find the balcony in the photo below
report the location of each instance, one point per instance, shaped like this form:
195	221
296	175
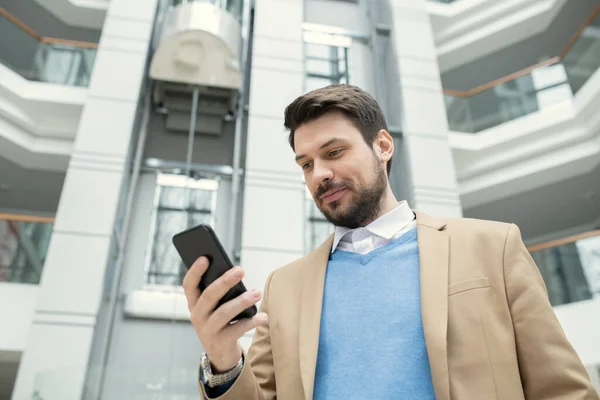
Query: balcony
24	243
44	59
541	86
43	87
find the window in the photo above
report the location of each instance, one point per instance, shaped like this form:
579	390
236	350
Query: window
325	65
179	203
317	229
325	62
325	57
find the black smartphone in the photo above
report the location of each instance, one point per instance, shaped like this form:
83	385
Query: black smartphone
201	241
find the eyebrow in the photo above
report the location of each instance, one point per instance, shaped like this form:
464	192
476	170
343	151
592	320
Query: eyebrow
327	143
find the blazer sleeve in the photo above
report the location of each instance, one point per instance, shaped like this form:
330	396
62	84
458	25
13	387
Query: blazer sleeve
549	366
257	379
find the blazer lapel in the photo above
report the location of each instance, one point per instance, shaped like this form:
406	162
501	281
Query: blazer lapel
434	258
313	285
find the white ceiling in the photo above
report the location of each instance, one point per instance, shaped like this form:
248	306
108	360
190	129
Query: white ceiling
29	190
81	13
569	205
47	24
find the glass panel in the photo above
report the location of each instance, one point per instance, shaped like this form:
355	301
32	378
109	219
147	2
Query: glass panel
312	83
236	8
176	209
543	87
44	62
23	249
571	271
321	67
314	50
325	65
583	59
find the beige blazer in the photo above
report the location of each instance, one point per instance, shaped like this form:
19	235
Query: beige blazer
489	328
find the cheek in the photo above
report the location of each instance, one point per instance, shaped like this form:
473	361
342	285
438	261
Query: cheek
353	174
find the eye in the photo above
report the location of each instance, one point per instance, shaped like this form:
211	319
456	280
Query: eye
335	153
306	166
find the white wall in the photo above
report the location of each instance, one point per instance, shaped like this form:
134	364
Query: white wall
17	304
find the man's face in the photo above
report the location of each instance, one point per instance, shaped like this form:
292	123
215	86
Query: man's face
346	178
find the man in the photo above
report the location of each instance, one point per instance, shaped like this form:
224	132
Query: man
395	304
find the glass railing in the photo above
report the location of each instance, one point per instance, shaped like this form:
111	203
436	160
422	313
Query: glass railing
570	267
44	59
24	243
541	86
234	7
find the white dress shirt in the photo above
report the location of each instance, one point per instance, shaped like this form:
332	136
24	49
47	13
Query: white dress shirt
378	233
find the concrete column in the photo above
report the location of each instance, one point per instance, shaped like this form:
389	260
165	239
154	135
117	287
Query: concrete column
428	176
273	220
58	345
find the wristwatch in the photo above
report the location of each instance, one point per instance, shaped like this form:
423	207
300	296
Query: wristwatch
211	380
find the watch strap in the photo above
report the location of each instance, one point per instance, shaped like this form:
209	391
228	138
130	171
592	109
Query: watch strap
213	380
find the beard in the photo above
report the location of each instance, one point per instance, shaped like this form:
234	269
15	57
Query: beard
363	208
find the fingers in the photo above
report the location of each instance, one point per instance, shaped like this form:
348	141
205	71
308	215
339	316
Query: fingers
211	296
221	317
203	305
237	330
192	280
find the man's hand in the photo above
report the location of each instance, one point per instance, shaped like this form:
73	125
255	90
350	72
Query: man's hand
218	336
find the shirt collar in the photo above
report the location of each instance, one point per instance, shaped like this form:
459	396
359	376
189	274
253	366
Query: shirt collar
385	226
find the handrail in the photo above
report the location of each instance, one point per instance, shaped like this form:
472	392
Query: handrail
563	241
26	218
45	39
525	71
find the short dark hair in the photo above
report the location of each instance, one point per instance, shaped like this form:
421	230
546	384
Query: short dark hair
356	104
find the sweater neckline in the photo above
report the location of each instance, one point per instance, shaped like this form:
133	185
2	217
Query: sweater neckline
339	254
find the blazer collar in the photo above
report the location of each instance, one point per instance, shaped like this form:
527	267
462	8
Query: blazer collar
433	252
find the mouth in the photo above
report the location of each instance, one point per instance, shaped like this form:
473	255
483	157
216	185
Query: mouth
332	195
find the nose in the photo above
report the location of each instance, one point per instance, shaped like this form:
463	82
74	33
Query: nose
321	172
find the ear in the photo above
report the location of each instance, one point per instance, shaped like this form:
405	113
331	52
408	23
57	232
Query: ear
384	145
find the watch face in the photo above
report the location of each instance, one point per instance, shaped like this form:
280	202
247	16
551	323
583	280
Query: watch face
205	370
203	375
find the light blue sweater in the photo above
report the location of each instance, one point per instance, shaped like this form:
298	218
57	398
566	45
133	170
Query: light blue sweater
371	343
